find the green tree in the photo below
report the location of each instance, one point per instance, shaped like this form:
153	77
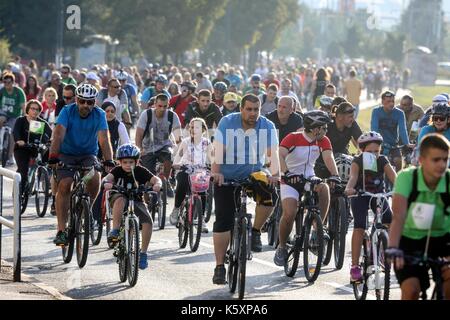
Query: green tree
5	54
393	47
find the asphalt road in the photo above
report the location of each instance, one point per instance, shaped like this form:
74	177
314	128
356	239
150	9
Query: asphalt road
172	273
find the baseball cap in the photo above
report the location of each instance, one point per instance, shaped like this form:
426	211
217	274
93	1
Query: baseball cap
440	98
256	77
230	96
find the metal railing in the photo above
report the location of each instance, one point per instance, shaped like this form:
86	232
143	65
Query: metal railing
15	225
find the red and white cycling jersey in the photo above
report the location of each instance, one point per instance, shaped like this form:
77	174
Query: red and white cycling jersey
303	153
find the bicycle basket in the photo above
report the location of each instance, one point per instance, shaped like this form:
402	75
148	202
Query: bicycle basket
199	181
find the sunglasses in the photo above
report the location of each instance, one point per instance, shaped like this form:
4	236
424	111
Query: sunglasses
115	87
110	111
324	128
88	102
67	98
7	82
439	118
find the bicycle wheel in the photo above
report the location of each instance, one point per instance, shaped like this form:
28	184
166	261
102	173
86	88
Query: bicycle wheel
41	191
209	203
67	251
183	228
340	234
82	232
5	150
331	229
233	254
360	288
195	228
313	246
293	247
242	259
162	213
122	257
133	252
96	231
383	293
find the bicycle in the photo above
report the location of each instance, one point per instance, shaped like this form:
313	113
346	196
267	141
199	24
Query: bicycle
240	242
5	144
127	248
376	270
305	238
436	266
337	226
191	211
38	181
79	220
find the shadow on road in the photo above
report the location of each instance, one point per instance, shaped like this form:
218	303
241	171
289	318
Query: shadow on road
98	290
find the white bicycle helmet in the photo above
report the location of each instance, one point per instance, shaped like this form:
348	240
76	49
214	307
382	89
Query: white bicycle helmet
314	119
86	91
369	137
122	75
344	166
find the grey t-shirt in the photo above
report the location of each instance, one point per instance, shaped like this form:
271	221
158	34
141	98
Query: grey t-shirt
158	135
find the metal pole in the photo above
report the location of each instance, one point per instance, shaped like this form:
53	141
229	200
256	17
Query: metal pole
59	35
17	230
1	214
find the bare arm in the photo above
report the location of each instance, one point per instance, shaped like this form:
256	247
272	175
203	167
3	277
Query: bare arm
274	158
105	144
179	154
58	137
390	173
283	154
139	137
354	173
328	159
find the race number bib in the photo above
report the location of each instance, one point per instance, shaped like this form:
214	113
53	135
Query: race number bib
422	214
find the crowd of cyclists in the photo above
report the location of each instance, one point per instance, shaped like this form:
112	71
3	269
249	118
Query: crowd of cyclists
276	127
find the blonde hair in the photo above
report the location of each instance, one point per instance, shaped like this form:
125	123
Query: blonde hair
204	126
52	90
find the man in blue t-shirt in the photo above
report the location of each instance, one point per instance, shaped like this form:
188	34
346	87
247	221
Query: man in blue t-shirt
244	143
80	128
151	92
390	122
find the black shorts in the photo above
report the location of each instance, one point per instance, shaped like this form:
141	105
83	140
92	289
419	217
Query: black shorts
227	199
84	161
360	209
438	248
141	210
149	160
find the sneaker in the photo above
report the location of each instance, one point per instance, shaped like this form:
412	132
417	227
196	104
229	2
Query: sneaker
61	239
280	257
113	236
53	209
170	193
143	261
10	163
174	216
356	274
256	241
220	275
204	227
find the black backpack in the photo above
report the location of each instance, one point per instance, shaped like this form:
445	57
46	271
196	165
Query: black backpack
170	116
444	196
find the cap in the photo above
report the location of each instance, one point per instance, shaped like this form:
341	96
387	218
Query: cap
256	77
388	94
345	108
230	96
92	76
440	99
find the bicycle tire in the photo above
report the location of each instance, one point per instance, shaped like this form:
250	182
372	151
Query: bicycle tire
96	232
209	203
331	226
183	229
83	233
242	259
133	252
67	251
340	233
162	213
233	252
360	288
291	265
5	151
44	182
122	258
195	230
312	271
381	247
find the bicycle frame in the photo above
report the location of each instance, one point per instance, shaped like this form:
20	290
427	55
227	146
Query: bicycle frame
376	229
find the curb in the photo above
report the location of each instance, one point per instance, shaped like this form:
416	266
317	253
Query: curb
33	281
